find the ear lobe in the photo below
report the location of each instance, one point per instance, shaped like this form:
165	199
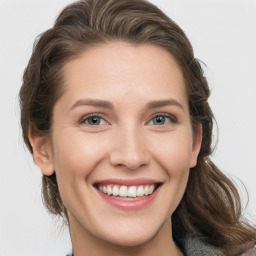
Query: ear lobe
197	141
41	152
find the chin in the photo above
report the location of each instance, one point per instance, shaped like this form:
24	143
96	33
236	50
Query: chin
132	234
131	239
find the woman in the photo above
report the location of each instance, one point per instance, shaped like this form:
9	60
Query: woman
114	110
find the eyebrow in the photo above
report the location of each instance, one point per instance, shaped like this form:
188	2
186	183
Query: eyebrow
93	102
109	105
163	103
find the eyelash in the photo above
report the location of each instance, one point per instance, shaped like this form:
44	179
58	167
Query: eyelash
172	118
84	120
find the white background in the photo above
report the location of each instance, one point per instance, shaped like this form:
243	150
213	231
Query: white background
223	34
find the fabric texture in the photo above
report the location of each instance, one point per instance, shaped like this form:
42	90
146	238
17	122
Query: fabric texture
193	246
251	252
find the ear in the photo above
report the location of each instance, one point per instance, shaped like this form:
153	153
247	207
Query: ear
41	152
197	141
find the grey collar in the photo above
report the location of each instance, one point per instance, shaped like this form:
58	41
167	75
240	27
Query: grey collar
193	246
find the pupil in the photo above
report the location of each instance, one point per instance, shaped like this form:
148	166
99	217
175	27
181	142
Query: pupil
94	120
160	120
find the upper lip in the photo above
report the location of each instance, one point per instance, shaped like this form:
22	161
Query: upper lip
128	182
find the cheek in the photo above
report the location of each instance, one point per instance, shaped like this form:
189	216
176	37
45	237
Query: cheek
174	152
175	157
76	154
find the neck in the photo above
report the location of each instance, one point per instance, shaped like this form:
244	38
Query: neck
86	244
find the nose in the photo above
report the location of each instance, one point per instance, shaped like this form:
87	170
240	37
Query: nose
129	149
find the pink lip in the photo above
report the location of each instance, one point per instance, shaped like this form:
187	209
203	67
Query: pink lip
129	205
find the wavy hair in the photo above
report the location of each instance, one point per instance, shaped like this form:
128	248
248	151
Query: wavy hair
210	207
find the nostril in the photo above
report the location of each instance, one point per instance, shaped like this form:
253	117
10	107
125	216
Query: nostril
129	160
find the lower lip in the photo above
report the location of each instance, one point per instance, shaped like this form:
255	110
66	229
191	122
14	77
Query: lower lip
130	205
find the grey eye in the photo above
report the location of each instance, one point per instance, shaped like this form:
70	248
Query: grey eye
159	120
94	120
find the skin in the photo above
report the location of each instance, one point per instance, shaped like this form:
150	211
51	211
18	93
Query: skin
126	143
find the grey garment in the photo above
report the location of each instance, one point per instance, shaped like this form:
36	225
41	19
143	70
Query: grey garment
193	246
251	252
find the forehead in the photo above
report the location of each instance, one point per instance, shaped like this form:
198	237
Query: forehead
119	68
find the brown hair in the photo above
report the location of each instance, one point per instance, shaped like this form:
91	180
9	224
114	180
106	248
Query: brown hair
211	206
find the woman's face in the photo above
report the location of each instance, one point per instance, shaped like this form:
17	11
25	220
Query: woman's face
122	127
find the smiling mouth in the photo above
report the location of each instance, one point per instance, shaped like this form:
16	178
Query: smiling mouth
133	192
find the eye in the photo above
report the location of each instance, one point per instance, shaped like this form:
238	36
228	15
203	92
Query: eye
93	120
162	119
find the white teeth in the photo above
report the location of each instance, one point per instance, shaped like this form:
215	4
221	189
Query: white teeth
146	190
123	191
115	191
151	189
140	191
109	190
127	191
131	191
